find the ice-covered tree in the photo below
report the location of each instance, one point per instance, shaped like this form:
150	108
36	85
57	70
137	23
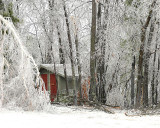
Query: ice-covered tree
20	83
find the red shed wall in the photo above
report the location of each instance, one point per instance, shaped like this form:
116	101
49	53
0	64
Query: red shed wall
52	84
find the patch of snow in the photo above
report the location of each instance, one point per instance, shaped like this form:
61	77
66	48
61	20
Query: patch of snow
70	117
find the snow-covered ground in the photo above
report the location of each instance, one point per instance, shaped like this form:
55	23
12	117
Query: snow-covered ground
63	117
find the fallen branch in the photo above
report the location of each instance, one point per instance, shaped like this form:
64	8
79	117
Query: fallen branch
97	105
142	113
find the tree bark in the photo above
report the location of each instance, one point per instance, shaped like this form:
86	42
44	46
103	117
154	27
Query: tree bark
153	77
132	81
2	65
92	52
62	59
78	60
49	55
71	51
100	60
140	80
146	66
157	82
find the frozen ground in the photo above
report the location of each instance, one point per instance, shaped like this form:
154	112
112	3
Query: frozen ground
62	117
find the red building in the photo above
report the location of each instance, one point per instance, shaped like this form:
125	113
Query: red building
48	75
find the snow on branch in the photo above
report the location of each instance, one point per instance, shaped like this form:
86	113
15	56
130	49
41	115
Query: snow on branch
20	83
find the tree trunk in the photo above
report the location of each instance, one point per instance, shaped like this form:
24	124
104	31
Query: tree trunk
62	59
98	43
1	66
71	52
146	66
140	80
49	55
55	71
79	66
102	40
92	52
157	82
78	60
132	81
153	77
100	60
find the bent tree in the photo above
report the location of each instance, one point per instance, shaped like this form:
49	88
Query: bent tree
19	78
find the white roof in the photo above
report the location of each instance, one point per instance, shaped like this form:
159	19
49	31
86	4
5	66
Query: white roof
59	69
